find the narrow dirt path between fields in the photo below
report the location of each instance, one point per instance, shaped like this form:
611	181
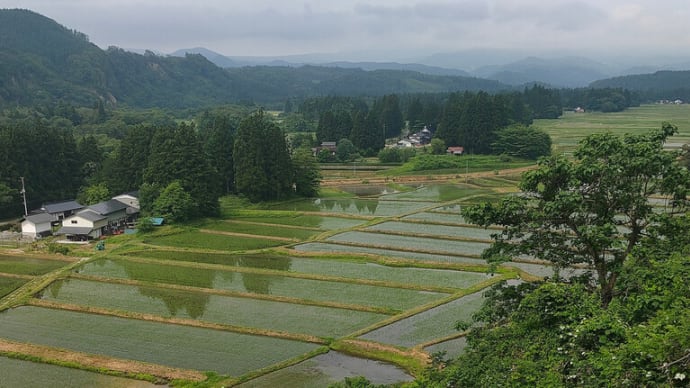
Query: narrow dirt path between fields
422	178
93	361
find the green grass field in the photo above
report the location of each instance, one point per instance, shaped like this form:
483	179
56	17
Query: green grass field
200	240
566	131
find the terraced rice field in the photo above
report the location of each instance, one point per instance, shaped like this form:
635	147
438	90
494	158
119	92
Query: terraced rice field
166	344
258	295
435	323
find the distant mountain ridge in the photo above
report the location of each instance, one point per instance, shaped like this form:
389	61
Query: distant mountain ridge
42	62
561	71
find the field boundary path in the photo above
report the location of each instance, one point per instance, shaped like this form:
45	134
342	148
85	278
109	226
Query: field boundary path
423	178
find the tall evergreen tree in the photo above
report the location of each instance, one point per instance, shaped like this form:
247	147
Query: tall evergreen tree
261	159
177	155
131	159
219	140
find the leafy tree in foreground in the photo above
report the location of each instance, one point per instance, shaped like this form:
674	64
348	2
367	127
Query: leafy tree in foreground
594	210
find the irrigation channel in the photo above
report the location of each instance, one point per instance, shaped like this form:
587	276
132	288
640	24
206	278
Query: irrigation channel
297	293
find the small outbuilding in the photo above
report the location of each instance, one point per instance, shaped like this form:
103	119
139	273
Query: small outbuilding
456	150
37	225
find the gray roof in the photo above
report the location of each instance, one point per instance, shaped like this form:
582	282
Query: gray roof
90	215
108	207
40	218
74	230
60	207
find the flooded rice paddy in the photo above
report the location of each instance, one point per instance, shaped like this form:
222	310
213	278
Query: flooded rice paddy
347	266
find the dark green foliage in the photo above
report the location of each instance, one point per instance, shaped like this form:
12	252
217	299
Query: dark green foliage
438	147
262	163
218	134
544	103
662	85
174	203
46	157
603	100
307	178
346	151
396	155
126	173
388	115
522	142
93	194
176	154
334	126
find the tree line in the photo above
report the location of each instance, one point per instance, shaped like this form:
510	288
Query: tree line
180	170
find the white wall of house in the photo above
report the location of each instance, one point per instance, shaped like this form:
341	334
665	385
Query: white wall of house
30	229
81	222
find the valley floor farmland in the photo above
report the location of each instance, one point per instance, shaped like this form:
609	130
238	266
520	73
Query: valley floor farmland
266	292
299	293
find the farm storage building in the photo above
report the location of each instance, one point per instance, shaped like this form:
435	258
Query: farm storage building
37	225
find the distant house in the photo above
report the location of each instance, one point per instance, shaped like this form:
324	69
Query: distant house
61	210
103	218
456	150
325	145
37	225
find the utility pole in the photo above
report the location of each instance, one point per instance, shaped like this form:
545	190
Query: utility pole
26	212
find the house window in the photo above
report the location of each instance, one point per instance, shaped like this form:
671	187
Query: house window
74	221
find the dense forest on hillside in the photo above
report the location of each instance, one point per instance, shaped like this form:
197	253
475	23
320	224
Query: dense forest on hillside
662	85
43	61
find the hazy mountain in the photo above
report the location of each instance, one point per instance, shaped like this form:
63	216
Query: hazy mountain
560	72
219	60
42	62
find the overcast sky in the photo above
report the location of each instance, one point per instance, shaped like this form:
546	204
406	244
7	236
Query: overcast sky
384	29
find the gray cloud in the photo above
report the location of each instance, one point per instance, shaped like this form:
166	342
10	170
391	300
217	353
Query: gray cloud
276	27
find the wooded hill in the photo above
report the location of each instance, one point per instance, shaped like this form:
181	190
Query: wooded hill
42	61
662	85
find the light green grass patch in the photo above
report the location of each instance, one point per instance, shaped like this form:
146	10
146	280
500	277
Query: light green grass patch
8	285
265	261
261	230
570	128
23	265
321	222
199	240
